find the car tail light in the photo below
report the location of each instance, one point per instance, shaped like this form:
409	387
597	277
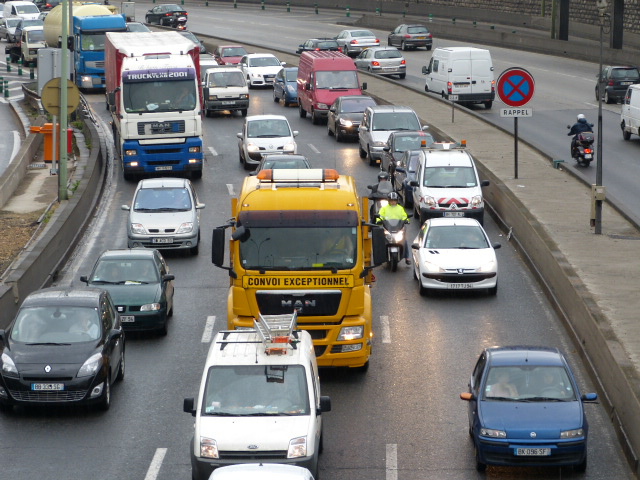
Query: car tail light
375	64
493	85
403	62
353	42
449	87
406	35
317	49
611	82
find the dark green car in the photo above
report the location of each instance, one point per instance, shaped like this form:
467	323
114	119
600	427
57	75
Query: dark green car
140	285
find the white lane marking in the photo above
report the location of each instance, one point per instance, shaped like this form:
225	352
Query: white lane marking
392	461
213	151
208	329
386	331
156	463
16	144
232	193
312	147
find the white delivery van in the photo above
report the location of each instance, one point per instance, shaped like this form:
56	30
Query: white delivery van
225	88
259	399
21	9
447	184
466	72
630	112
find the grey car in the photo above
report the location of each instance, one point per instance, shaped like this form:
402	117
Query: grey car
353	42
165	214
345	115
408	36
399	142
614	81
8	28
387	61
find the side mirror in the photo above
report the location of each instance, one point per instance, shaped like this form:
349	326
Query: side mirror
379	246
485	183
325	403
425	70
496	245
217	247
364	85
188	406
239	134
84	279
295	133
125	207
467	396
167	277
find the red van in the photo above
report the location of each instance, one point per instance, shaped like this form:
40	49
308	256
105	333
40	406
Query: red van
323	77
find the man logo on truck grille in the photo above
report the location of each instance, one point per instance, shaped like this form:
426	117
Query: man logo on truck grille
298	305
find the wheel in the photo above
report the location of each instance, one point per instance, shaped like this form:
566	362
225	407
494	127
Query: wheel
597	97
426	88
128	177
196	175
488	104
329	132
581	467
480	467
403	46
286	103
163	330
393	262
170	312
428	47
195	250
346	51
339	137
146	20
243	112
105	401
315	119
275	97
121	368
423	291
607	98
6	408
302	111
402	76
361	152
493	290
372	162
389	43
625	133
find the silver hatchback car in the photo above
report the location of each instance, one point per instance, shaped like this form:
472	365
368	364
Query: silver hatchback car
165	214
383	61
353	42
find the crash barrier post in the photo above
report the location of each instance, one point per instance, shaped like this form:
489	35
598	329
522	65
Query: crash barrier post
32	73
348	11
288	7
6	88
262	5
8	63
1	84
316	8
235	3
20	66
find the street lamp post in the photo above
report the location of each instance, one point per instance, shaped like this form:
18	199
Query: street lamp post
602	14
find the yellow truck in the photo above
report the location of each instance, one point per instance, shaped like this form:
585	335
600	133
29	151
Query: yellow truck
301	241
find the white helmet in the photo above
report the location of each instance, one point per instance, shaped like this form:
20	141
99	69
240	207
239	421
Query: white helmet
581	117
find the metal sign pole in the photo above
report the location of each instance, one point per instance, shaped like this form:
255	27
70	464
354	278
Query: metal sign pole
515	146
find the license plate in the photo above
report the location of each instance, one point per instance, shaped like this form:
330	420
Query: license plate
421	38
454	214
162	240
390	68
587	155
460	286
228	102
47	387
626	83
127	318
168	167
533	452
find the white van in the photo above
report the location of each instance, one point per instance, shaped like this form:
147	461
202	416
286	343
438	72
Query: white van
225	88
259	399
466	72
447	184
22	9
630	112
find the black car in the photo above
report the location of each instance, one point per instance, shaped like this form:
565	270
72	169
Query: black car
345	115
404	173
65	346
408	36
319	44
161	14
285	160
615	80
140	285
398	142
191	36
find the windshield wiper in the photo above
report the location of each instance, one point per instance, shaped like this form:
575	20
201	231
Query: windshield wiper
506	399
546	399
48	343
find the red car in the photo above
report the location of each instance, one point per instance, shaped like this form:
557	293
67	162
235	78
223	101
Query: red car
229	54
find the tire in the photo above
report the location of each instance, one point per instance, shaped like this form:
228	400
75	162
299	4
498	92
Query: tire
243	112
403	46
393	263
346	51
361	152
372	162
129	177
480	467
275	97
597	97
105	400
493	291
607	98
286	104
581	467
402	76
121	368
423	291
302	111
163	330
196	175
426	88
195	250
625	134
339	137
329	132
488	104
428	47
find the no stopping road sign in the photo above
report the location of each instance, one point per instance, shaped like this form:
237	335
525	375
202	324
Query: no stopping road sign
515	86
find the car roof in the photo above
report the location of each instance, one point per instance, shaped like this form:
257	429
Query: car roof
163	182
455	222
80	296
450	158
252	118
390	108
230	46
129	253
375	49
274	157
522	355
255	55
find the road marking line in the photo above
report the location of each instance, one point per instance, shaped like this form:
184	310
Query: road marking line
232	193
208	329
16	144
312	147
392	461
156	463
213	151
386	330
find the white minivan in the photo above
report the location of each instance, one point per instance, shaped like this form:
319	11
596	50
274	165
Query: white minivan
447	184
465	72
21	9
630	112
259	399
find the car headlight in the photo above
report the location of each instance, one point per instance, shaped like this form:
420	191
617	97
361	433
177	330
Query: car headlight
578	432
244	96
476	201
432	267
322	106
297	447
350	333
150	307
289	147
91	366
430	202
8	367
138	229
490	432
488	267
379	144
252	148
208	448
346	123
186	227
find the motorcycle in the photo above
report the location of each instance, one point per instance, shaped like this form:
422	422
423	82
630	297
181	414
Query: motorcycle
583	151
378	200
394	233
176	21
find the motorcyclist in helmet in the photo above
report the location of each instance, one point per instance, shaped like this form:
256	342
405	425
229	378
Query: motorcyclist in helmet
394	211
383	188
581	125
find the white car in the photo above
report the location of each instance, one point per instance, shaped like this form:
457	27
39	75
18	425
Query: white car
261	471
260	69
263	134
355	41
454	254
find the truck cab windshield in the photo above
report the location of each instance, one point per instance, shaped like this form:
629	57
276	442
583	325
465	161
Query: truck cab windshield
346	79
93	42
163	96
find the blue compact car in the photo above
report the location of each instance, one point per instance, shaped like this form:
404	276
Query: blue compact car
285	86
525	409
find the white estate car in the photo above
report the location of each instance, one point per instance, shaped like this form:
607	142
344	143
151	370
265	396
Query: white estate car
263	134
260	69
454	254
